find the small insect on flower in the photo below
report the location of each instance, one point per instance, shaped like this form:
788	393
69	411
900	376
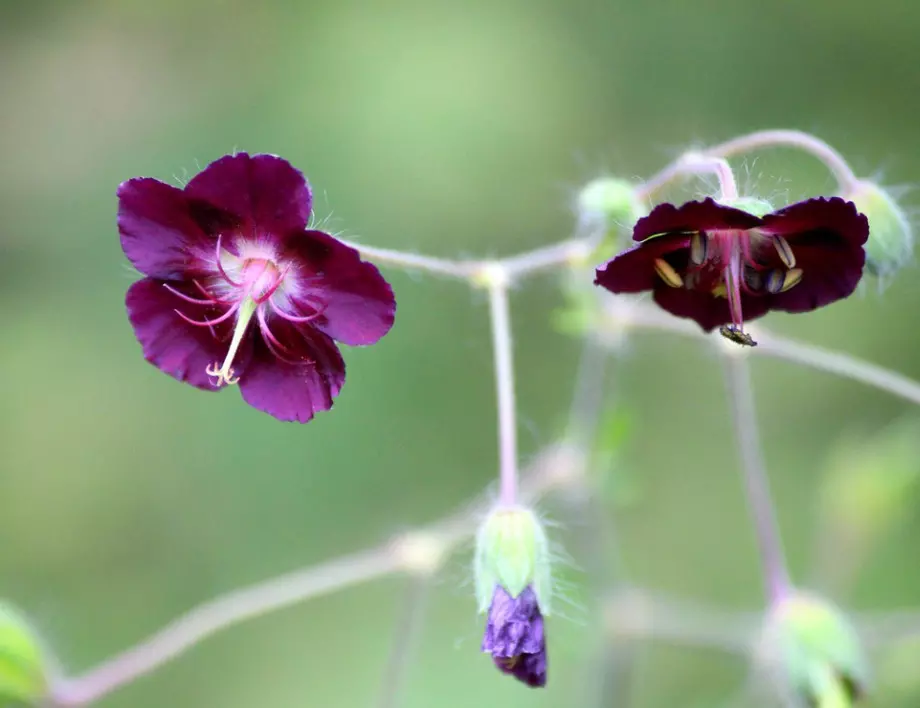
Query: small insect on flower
721	264
239	290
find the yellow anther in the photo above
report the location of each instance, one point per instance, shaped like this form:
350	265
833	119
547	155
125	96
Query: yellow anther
667	273
720	290
792	278
699	247
784	251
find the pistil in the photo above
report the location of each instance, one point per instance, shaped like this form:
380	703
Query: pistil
225	373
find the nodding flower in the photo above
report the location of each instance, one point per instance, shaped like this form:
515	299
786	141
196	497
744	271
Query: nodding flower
238	290
722	265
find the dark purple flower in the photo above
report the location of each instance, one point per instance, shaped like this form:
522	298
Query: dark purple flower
514	636
238	289
720	266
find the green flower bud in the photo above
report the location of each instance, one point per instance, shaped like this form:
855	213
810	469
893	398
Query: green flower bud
23	676
512	551
752	205
891	242
815	651
612	206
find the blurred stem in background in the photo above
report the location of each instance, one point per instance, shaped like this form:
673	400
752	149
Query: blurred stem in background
756	483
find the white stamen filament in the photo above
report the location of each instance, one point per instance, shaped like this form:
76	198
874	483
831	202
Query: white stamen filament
225	374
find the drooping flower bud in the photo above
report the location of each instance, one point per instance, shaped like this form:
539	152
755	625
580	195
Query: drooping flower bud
611	206
814	652
891	242
23	675
512	551
512	576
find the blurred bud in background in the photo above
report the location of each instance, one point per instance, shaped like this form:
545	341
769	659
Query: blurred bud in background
868	488
813	653
891	242
606	208
609	207
23	671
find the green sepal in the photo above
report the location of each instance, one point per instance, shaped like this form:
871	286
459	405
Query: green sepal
752	205
23	677
891	243
512	550
820	650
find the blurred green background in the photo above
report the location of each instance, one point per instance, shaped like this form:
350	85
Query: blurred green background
453	129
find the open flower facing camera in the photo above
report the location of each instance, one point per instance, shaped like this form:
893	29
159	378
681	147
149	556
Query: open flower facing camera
240	290
721	264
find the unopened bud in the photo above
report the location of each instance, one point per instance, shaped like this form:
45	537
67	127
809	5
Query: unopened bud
891	242
612	207
512	551
814	651
23	677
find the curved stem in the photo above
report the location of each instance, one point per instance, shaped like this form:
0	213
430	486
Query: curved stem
226	611
504	386
572	250
689	165
756	484
849	367
790	138
463	270
770	345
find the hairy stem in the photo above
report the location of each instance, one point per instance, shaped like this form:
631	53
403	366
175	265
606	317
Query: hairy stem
790	138
756	484
640	316
463	270
408	628
499	310
688	165
219	614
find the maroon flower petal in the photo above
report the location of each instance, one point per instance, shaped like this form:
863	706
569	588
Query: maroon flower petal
356	303
707	310
706	215
158	234
295	382
174	346
267	194
634	270
824	220
827	237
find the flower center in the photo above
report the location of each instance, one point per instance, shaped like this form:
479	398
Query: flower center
259	279
246	284
732	255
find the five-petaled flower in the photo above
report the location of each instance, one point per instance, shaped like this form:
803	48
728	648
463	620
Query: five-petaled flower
514	636
720	265
239	289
